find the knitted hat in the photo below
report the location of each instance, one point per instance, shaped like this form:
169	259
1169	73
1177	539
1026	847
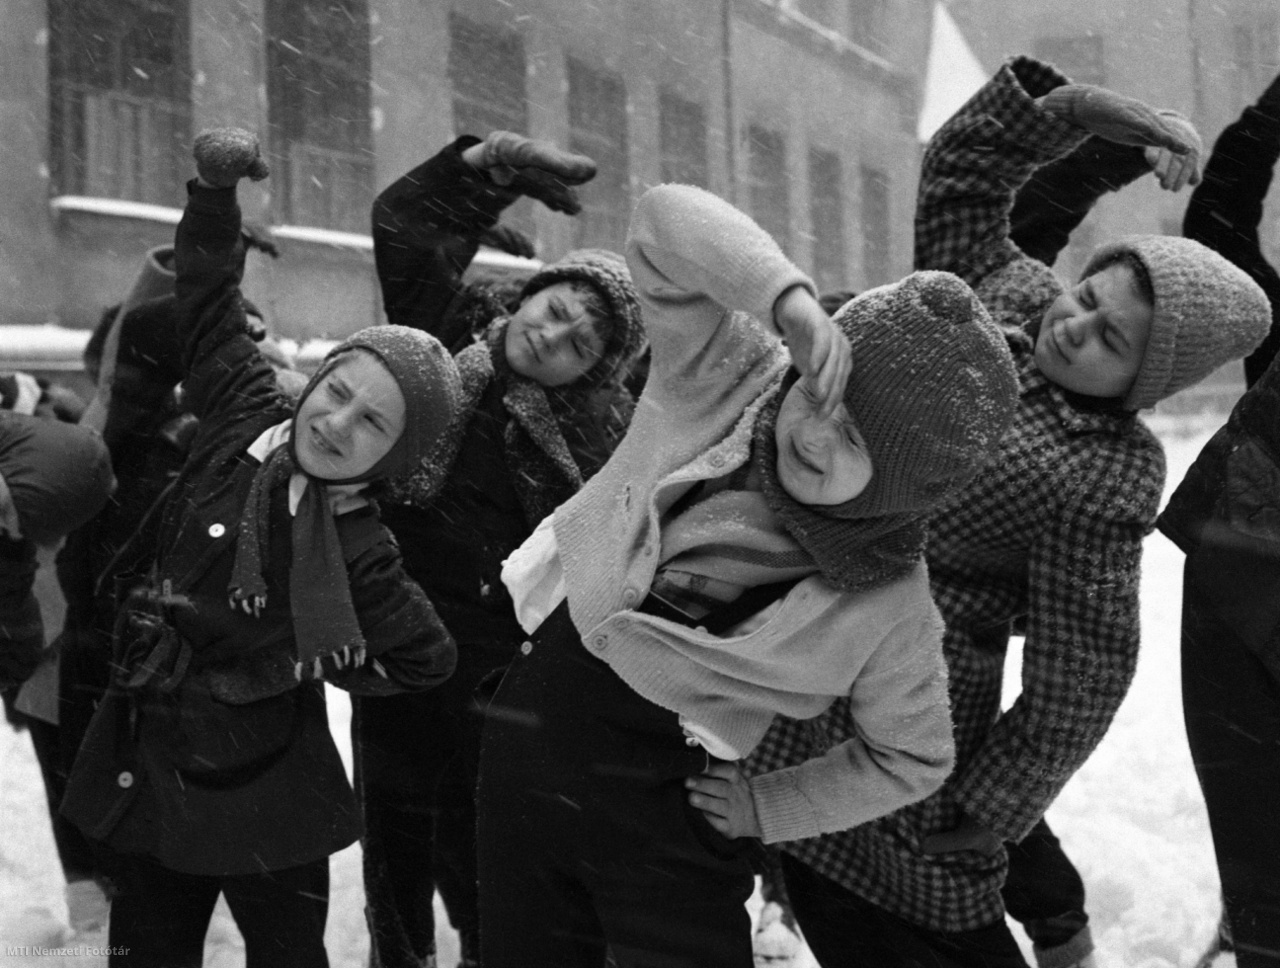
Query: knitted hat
607	272
58	474
932	390
1207	312
426	375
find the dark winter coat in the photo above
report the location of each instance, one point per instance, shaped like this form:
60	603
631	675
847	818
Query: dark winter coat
207	754
1226	512
509	471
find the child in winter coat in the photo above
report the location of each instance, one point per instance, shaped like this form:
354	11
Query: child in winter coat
209	766
753	546
1223	516
1049	533
543	408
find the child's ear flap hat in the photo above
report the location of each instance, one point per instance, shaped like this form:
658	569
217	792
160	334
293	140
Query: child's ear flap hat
933	390
58	474
426	375
606	272
1207	312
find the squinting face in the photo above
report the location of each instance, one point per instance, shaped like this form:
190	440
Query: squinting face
821	461
1094	336
350	420
551	338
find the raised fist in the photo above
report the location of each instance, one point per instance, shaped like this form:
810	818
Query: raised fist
538	169
1124	120
225	155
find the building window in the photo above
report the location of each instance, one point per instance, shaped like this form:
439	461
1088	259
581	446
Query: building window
598	129
826	215
682	140
876	240
319	106
119	99
867	25
768	184
1080	58
487	71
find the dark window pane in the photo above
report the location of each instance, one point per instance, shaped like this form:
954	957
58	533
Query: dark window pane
875	226
120	98
767	183
826	214
598	128
319	103
682	138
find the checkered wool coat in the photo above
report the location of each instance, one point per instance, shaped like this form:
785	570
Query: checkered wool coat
1050	534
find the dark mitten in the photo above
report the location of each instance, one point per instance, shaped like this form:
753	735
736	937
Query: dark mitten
259	237
1124	120
225	155
1269	103
538	169
506	239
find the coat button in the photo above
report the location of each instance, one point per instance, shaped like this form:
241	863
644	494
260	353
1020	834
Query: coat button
217	530
630	596
125	780
526	648
600	642
690	741
717	460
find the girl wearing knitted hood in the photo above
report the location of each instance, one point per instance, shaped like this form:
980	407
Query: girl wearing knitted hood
1046	540
754	546
541	360
209	766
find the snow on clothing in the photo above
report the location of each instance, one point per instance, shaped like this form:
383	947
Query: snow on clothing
207	754
516	451
691	256
1223	516
1051	530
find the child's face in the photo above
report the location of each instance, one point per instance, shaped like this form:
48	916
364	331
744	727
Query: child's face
1093	338
820	460
552	338
349	421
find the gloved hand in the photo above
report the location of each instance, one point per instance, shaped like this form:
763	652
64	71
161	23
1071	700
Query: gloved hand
511	241
259	237
1124	120
225	155
535	168
1173	170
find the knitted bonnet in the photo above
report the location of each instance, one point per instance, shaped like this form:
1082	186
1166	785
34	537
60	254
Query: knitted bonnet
427	377
932	390
1207	312
607	272
58	474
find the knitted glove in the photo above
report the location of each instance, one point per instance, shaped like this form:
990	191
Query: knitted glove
1124	120
1175	170
535	168
225	155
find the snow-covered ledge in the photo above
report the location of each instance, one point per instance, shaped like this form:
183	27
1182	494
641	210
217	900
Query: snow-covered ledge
44	347
117	207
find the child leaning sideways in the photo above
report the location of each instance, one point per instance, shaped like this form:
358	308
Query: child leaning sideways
209	767
753	546
1049	533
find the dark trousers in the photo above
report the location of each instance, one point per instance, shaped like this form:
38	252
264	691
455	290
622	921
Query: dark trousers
844	931
417	757
160	916
586	837
1232	709
1043	890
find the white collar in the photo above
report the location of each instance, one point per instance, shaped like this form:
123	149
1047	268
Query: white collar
343	498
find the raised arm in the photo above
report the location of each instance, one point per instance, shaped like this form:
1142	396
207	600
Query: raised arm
1226	209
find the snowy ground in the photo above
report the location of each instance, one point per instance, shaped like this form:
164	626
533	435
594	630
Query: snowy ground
1132	819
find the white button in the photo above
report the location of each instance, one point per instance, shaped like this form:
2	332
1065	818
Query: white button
526	648
717	460
217	530
125	780
629	596
600	642
690	741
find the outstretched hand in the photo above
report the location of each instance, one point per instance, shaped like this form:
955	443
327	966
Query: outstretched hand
225	155
724	797
818	349
1124	120
1176	171
535	168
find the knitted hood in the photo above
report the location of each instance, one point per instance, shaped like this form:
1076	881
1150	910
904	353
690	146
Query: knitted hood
1207	312
607	272
933	390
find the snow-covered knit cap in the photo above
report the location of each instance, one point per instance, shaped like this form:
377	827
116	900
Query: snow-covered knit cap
58	474
933	390
428	378
1207	312
607	272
